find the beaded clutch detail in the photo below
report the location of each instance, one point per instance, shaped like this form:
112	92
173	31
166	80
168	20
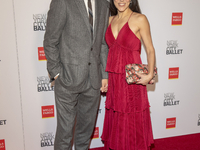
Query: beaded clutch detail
132	69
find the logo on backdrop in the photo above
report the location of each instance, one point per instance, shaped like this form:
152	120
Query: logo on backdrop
170	99
199	120
96	133
170	123
48	111
174	73
2	122
172	48
39	23
44	84
47	139
41	54
177	19
2	145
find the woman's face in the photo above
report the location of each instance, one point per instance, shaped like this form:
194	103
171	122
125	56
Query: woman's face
121	5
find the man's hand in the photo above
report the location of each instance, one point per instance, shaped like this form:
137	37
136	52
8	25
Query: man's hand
104	87
56	76
53	82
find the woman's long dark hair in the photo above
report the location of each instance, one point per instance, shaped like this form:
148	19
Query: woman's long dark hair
134	6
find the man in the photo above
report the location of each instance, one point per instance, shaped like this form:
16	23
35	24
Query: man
76	55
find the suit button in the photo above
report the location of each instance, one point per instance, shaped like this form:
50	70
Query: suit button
91	49
89	63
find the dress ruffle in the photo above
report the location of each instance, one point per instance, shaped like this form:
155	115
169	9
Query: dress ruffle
127	131
125	98
117	60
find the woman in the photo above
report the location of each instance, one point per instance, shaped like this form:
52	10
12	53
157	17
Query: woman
127	124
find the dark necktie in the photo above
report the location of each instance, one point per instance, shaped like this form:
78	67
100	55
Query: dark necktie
90	17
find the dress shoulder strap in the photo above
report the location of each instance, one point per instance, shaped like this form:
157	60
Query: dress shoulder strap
130	16
112	19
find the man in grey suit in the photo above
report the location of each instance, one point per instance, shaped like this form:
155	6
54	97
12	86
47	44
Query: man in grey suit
76	55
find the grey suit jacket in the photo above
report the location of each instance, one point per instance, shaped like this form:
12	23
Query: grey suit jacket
68	46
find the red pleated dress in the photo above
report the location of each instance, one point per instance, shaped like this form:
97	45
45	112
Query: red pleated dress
127	123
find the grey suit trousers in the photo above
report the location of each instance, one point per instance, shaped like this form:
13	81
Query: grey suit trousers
75	106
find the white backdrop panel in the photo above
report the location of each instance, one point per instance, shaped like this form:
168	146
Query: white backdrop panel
11	129
32	73
30	69
187	86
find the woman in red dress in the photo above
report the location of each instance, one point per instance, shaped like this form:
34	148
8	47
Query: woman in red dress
127	124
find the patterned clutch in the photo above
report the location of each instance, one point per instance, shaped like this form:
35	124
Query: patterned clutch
131	69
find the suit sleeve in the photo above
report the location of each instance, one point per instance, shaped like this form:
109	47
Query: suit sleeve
55	23
104	49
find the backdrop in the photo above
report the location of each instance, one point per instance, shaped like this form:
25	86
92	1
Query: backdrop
27	108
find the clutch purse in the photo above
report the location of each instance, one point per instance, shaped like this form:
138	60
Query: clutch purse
132	69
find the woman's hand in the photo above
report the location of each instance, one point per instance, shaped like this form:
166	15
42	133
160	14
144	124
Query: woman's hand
144	80
104	87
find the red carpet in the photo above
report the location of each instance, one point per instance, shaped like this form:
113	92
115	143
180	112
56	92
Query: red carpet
185	142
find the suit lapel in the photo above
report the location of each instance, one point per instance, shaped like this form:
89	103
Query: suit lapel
82	9
97	16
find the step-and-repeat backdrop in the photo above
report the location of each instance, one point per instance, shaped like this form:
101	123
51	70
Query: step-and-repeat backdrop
27	107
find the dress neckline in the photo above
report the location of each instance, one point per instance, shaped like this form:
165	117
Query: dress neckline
126	24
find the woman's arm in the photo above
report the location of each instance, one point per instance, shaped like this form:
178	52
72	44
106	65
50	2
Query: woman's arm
145	35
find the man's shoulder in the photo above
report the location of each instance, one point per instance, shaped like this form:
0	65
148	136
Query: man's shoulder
106	2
